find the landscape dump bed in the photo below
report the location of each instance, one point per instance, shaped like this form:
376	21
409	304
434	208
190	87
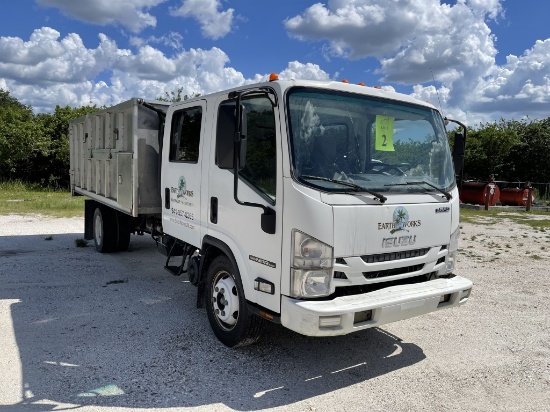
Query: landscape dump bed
114	156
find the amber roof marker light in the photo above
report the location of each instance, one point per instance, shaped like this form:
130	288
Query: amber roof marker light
273	77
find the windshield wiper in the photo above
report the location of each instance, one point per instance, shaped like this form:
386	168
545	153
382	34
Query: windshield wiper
423	182
355	187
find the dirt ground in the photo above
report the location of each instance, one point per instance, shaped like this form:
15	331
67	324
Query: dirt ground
116	332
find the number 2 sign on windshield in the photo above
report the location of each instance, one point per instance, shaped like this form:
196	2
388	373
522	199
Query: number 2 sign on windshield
384	134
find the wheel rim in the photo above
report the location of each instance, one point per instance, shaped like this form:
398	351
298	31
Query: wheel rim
225	300
98	229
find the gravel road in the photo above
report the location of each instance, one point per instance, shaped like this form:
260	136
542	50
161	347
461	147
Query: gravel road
118	333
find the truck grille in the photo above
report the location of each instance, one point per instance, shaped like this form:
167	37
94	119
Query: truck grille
359	289
389	257
392	272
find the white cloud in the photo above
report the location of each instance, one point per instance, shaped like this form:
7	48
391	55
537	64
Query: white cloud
41	45
172	39
294	71
491	8
450	54
408	36
518	89
520	86
45	59
414	40
353	28
49	70
131	14
308	71
214	24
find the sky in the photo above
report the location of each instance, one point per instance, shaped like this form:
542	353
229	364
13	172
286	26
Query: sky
476	60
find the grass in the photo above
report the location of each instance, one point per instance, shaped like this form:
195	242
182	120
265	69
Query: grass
490	217
21	198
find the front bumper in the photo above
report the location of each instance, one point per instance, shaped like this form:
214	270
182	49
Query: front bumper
357	312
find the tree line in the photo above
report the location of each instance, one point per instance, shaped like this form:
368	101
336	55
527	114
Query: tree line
511	150
35	147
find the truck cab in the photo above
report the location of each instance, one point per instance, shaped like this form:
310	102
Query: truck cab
325	206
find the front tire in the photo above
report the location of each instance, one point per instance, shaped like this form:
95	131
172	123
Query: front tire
226	306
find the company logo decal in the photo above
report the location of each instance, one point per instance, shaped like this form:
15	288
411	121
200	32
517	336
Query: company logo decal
181	190
181	186
442	209
407	240
401	222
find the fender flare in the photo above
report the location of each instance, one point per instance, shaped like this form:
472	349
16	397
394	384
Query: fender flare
207	243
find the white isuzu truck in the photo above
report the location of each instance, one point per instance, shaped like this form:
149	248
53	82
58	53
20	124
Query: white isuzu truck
326	207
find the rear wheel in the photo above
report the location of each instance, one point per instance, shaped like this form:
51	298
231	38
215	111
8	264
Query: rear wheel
123	231
229	317
105	230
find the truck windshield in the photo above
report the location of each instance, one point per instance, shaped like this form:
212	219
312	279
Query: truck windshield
377	144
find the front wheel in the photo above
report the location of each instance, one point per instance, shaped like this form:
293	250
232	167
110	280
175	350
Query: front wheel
226	306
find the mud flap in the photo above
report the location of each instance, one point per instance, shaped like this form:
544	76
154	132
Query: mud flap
89	209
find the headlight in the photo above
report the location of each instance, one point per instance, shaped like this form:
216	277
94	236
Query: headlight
309	253
312	265
453	252
310	283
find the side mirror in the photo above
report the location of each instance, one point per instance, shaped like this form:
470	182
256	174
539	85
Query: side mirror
458	152
269	221
225	134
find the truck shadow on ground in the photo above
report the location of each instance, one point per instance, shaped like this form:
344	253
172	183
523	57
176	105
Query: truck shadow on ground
116	330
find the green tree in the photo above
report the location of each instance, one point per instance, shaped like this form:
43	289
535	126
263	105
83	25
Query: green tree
529	159
21	139
176	96
52	165
488	148
35	148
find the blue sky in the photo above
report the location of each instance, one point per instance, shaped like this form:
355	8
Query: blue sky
490	58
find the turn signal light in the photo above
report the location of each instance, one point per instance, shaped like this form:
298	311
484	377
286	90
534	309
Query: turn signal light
266	315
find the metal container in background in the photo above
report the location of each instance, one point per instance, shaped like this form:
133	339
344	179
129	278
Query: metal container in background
476	193
516	196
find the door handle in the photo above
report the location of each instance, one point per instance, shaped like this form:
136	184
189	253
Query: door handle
214	210
167	198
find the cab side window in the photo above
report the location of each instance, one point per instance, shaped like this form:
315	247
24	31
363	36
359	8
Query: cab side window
261	154
185	135
260	169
